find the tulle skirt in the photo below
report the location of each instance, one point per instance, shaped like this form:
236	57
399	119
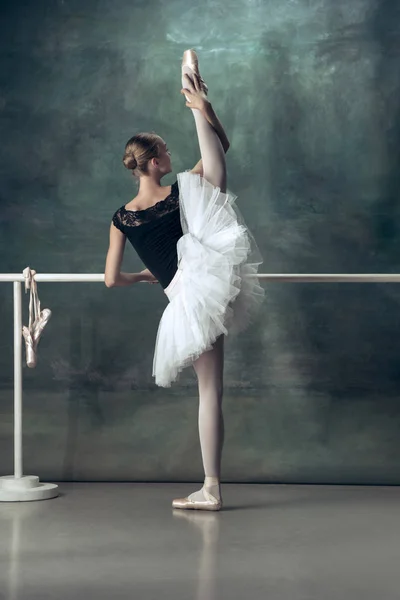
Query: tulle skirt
215	289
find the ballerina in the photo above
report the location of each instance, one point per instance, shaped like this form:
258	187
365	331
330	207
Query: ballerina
194	242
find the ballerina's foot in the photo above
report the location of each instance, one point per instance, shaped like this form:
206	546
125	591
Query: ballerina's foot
201	500
190	66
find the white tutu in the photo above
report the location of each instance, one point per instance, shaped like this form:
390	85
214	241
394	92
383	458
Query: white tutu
211	293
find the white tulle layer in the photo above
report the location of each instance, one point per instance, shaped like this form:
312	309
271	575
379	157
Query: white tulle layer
215	290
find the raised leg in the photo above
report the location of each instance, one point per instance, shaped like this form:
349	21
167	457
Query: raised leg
212	152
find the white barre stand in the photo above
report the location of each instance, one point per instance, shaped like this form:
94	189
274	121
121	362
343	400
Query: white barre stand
19	488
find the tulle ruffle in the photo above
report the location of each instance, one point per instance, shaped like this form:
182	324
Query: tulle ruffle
215	290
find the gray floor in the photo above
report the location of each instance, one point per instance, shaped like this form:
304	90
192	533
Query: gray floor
112	541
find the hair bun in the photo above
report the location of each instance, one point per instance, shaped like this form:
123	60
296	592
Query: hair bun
130	162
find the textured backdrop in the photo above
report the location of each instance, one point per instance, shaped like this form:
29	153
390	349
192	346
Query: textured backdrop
309	96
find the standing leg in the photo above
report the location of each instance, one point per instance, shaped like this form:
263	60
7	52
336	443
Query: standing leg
209	370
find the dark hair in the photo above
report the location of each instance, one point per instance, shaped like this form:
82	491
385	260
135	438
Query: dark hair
141	148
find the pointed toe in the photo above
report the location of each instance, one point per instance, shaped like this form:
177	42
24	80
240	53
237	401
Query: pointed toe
180	502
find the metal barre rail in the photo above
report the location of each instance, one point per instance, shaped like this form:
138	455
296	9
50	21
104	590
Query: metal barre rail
284	277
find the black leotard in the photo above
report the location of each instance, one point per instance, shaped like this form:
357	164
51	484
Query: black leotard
154	233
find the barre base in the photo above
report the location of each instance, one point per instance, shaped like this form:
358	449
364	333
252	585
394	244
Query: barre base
26	489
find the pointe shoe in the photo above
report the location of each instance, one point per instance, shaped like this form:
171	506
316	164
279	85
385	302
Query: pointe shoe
211	503
40	324
37	319
190	64
30	346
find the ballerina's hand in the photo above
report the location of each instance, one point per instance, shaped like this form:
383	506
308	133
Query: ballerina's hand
148	276
195	92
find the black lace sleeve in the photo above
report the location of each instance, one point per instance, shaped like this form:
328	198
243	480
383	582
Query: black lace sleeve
116	219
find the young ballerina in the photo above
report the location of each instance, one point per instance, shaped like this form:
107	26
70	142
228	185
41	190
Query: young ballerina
194	242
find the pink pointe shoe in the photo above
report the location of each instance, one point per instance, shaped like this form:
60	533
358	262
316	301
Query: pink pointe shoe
30	347
210	502
190	65
40	324
37	319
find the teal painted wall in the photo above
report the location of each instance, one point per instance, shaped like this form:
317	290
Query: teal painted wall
308	94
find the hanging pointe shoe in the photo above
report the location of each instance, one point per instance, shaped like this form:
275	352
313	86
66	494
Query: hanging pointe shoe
190	65
40	324
209	502
37	319
30	347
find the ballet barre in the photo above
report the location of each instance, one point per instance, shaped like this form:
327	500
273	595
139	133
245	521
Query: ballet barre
19	487
287	277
